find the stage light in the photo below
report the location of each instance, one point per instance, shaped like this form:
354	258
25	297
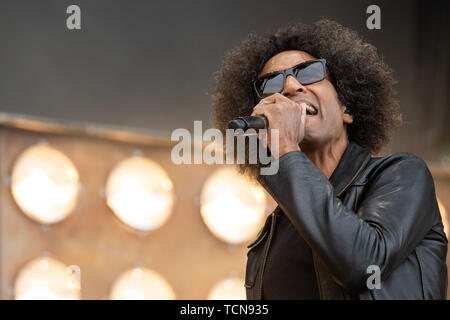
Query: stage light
44	184
232	208
444	218
141	284
231	288
46	279
140	194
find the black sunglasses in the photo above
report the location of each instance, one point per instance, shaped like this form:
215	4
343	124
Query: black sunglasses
306	73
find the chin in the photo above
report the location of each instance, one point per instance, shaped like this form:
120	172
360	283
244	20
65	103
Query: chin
310	142
309	138
307	143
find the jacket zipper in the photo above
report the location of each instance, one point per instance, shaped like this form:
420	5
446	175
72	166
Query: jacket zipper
272	227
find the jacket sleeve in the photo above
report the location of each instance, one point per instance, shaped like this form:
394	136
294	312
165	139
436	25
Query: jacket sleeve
395	213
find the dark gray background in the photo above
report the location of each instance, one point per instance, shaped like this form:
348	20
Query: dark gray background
150	64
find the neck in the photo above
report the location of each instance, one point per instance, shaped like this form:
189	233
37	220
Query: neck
326	157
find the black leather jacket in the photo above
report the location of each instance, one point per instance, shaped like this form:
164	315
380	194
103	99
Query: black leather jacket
372	211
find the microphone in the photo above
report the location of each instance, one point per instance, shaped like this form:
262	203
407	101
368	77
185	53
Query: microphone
249	122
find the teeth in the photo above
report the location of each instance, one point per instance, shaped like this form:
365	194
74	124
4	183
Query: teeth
310	109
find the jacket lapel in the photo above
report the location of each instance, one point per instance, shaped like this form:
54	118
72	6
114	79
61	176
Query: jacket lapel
353	161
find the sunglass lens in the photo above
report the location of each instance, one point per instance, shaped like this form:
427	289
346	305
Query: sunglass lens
311	73
269	86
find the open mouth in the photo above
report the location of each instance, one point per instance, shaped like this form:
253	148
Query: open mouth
310	109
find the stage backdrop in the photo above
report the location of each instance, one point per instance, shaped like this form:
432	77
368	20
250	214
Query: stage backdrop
150	64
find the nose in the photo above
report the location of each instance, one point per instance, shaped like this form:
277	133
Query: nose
292	87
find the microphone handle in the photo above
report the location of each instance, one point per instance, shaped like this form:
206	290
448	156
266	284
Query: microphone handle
249	122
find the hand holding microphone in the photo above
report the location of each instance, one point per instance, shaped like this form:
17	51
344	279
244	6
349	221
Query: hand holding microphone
280	113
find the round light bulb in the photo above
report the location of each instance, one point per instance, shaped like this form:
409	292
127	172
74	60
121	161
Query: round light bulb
46	279
141	284
44	184
140	193
231	288
231	207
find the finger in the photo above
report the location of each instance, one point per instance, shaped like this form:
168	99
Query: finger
255	112
263	110
262	136
270	99
303	113
259	110
278	97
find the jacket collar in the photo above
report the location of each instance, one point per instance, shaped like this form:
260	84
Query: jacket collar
352	162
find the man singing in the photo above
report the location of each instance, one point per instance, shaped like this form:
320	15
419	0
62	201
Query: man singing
344	217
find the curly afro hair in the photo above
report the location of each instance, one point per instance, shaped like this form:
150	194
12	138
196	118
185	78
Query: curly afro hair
364	83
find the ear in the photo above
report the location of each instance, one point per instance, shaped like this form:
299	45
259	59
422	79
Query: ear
346	115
